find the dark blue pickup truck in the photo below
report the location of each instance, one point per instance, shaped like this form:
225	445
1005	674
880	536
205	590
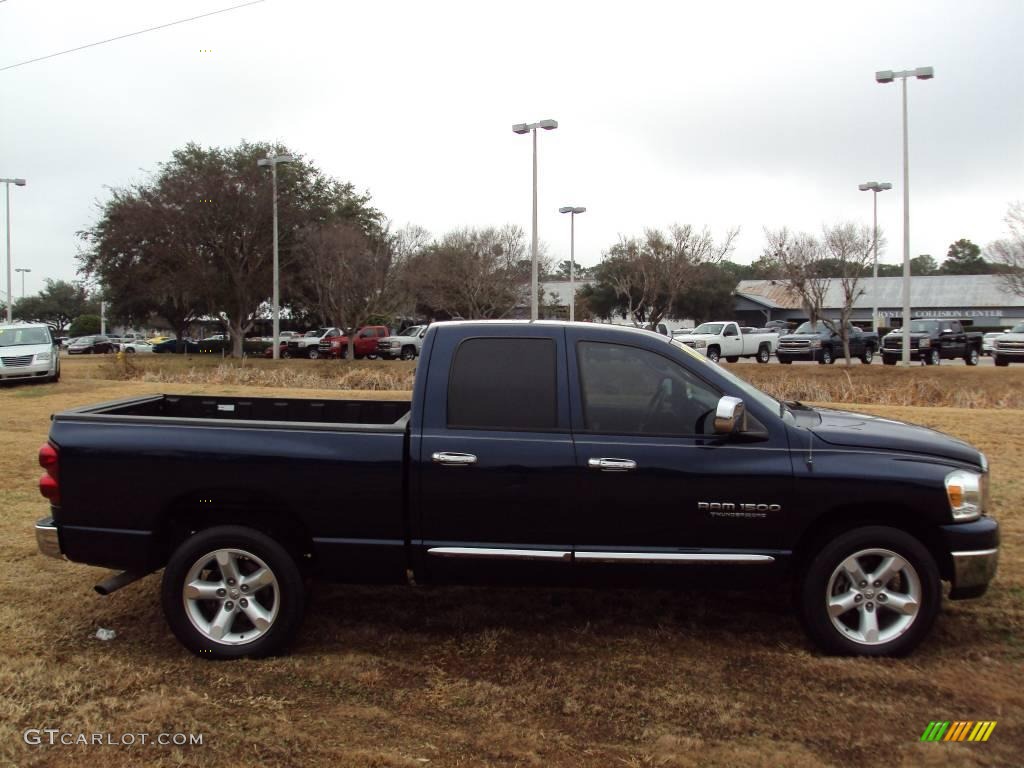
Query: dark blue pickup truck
530	453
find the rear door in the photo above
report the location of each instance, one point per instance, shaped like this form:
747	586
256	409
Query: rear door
495	468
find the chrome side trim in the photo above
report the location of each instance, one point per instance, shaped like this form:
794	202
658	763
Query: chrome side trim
670	557
47	538
501	554
973	569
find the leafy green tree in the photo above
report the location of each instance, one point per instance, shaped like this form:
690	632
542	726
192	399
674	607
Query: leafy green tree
85	325
923	266
197	238
57	304
964	258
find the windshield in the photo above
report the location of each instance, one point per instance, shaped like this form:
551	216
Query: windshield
13	337
924	326
749	392
83	340
712	329
413	331
808	327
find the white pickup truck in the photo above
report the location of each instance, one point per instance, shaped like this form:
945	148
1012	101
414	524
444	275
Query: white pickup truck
726	339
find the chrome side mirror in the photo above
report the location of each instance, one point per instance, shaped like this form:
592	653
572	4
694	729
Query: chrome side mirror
730	416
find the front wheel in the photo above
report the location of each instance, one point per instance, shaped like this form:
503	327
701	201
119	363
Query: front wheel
1002	362
785	361
313	353
732	359
408	353
888	360
713	355
826	357
868	356
872	591
972	357
232	591
763	355
933	357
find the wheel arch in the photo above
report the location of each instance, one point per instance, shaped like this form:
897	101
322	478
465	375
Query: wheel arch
840	519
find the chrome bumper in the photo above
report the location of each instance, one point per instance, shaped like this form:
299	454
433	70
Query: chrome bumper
974	569
47	538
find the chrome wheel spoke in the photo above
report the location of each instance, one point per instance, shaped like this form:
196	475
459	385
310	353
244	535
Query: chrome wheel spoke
852	567
840	604
904	604
868	625
257	580
203	590
258	615
221	623
228	565
888	569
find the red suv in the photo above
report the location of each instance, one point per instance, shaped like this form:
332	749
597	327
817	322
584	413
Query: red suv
365	343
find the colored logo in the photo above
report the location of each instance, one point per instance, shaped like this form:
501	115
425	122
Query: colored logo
959	730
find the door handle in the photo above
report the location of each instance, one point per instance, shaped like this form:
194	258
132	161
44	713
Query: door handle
612	465
454	459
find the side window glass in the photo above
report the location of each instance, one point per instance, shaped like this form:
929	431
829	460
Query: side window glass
632	391
503	384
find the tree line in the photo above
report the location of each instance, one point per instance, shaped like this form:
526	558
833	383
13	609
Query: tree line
194	241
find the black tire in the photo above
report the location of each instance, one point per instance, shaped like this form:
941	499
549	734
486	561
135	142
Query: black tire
932	357
408	353
824	574
868	356
764	354
826	358
972	357
785	361
888	360
129	351
288	593
1002	362
732	359
313	353
714	355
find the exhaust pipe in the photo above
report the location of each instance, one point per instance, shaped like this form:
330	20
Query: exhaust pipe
117	580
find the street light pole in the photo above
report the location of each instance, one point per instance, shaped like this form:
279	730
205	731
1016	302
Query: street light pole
572	211
23	270
875	188
521	128
887	76
10	294
272	161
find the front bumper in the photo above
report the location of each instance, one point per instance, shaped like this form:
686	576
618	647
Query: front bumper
1014	354
974	556
48	538
30	371
798	354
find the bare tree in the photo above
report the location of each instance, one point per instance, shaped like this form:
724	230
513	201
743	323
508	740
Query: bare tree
1009	252
850	248
357	275
798	257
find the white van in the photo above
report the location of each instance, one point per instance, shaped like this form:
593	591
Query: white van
28	351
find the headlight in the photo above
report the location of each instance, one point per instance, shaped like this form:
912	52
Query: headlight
43	357
816	344
966	494
923	343
700	344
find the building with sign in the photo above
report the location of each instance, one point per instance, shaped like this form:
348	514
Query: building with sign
982	301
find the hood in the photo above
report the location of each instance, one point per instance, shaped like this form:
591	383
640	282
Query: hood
858	430
899	335
800	337
20	350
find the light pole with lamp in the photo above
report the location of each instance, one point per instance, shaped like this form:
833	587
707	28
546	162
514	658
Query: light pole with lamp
10	294
23	270
875	187
272	161
521	128
887	76
572	211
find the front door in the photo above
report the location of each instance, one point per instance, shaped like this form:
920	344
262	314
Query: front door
657	485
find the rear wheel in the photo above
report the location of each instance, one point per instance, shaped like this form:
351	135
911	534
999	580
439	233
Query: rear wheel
763	354
872	591
232	591
972	357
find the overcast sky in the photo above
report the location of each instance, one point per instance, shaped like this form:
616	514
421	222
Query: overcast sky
713	114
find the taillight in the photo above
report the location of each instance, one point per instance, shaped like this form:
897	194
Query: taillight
48	484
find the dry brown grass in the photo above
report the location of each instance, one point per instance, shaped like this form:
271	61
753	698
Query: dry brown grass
498	677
